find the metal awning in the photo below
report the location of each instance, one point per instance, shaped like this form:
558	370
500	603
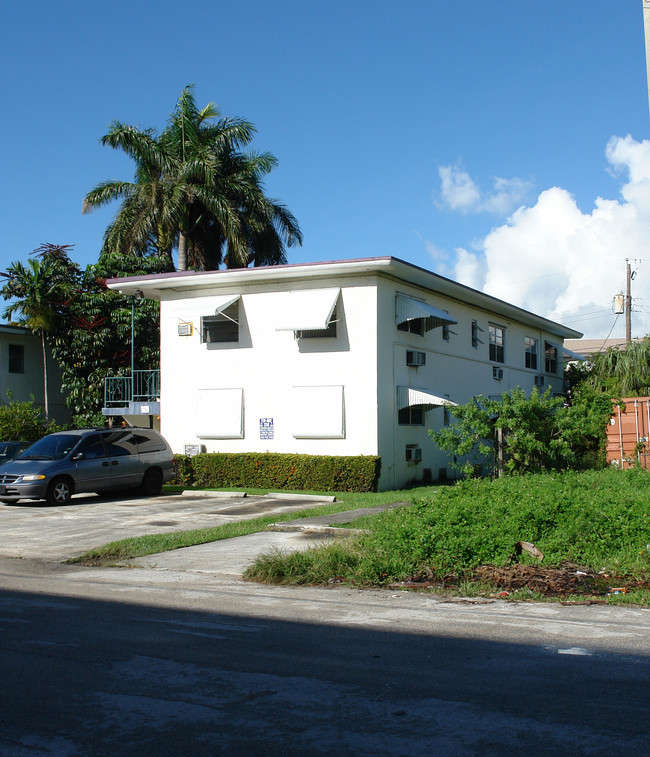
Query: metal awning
222	303
408	309
409	397
307	310
570	355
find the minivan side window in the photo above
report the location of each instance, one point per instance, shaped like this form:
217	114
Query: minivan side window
120	444
92	447
148	442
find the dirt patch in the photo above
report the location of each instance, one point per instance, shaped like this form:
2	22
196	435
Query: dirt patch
564	580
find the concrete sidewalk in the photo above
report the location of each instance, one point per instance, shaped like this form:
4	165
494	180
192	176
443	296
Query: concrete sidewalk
34	530
230	557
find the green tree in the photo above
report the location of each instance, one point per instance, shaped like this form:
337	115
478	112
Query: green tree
38	293
96	341
195	189
532	433
622	372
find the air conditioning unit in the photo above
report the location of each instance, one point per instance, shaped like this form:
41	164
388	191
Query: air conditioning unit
415	358
539	380
497	373
413	453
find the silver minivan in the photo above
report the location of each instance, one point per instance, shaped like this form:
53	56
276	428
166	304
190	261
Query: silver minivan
88	460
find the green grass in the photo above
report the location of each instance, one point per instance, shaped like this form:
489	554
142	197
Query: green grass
599	520
149	544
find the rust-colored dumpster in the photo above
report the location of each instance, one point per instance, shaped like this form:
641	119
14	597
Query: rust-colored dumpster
628	433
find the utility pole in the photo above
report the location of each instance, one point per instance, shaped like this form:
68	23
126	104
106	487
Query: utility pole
646	26
628	303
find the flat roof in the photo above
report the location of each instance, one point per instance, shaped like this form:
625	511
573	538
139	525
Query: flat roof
194	283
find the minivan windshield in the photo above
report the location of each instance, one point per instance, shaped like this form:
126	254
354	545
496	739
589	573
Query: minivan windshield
53	447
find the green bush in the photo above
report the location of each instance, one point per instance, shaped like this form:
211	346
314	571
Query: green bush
23	421
183	474
286	471
539	432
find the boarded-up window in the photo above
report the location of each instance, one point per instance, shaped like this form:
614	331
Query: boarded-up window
318	412
219	414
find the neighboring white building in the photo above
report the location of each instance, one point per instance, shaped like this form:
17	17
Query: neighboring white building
354	357
21	371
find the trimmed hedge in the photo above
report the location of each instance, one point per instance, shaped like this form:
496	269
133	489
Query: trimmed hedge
279	471
183	474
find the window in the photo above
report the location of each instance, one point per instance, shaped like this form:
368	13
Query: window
474	334
221	327
219	414
416	316
318	412
496	344
92	447
550	358
120	444
329	331
16	358
411	416
412	326
531	353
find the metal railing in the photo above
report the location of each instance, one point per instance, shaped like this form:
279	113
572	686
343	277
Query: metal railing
140	386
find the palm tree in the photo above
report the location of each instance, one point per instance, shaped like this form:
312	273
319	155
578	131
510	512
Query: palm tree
623	372
38	292
194	189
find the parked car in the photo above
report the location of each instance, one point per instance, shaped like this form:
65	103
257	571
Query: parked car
88	460
10	450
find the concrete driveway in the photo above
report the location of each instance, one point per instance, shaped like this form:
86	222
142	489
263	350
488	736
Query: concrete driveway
35	530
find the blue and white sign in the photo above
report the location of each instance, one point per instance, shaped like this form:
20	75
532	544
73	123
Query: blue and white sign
266	428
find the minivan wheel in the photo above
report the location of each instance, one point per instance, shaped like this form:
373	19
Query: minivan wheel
152	482
59	492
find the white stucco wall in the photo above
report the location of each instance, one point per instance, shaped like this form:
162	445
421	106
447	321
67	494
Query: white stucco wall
266	364
454	369
364	364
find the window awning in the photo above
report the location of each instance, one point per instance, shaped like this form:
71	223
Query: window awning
570	355
408	308
307	310
225	302
409	397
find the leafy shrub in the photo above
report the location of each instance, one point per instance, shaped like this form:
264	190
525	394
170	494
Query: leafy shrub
183	474
539	432
23	421
287	471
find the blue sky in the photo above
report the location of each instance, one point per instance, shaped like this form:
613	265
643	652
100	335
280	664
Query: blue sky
501	144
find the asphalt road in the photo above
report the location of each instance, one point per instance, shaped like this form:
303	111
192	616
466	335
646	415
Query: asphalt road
186	662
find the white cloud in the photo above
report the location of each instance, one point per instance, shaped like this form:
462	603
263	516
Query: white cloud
555	260
459	192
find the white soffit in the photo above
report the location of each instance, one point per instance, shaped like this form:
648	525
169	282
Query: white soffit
307	310
408	308
409	397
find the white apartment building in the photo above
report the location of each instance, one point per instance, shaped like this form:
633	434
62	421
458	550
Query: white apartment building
354	357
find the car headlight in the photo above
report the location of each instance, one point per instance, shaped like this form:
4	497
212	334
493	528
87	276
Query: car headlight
33	477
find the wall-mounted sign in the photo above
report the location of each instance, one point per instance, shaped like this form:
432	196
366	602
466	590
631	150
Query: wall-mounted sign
266	428
194	449
184	329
